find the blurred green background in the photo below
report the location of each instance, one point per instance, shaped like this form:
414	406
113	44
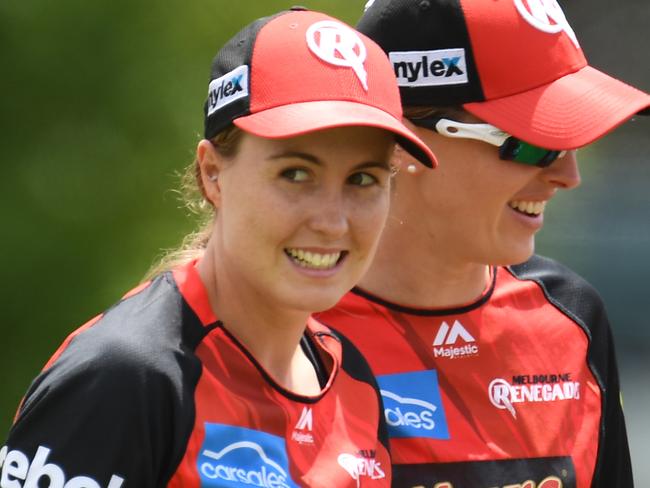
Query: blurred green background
101	106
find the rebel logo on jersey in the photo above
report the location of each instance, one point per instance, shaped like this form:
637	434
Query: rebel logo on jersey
532	389
16	466
234	456
413	405
430	68
454	342
362	464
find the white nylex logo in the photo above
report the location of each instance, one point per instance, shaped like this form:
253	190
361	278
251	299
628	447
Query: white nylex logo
339	45
305	421
546	16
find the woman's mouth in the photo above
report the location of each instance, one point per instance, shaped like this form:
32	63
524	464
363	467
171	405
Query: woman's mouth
314	260
528	207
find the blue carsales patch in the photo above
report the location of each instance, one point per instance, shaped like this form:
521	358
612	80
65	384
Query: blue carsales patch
412	405
235	456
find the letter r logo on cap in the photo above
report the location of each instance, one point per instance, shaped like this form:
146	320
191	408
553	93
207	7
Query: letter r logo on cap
339	45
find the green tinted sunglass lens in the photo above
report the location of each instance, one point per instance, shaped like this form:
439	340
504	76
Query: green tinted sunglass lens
522	152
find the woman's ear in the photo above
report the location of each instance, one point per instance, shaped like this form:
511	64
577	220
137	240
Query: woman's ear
210	164
403	162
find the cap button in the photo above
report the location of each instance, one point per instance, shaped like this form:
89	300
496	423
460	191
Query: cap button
425	5
298	8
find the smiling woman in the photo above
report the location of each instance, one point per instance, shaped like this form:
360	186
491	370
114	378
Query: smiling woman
213	372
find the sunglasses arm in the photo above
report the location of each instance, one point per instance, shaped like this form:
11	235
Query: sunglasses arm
480	132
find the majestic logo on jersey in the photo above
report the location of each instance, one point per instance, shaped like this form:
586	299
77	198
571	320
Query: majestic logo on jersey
302	431
235	456
412	405
546	16
454	342
339	45
360	465
532	388
429	68
228	88
16	466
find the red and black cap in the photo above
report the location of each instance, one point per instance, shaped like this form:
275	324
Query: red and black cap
516	64
300	71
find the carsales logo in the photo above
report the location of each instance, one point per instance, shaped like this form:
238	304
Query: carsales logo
409	412
16	466
505	395
235	456
413	405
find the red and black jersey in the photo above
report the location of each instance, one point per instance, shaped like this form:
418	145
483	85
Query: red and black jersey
519	389
155	392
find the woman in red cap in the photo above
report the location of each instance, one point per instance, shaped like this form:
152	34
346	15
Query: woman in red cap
496	366
214	374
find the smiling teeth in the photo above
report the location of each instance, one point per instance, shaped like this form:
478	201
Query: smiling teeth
531	208
314	260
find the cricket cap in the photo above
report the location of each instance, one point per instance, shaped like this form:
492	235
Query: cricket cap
301	71
517	64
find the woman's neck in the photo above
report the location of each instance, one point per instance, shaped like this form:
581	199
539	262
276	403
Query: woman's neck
271	334
412	271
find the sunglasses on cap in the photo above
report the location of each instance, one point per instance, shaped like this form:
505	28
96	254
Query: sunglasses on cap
510	148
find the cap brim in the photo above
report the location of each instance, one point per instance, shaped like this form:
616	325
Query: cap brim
300	118
568	113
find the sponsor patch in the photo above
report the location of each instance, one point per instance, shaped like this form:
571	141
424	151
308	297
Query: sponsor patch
15	467
531	389
236	456
412	405
543	472
228	88
430	68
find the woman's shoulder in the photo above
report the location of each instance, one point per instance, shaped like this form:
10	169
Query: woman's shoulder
564	288
136	343
552	274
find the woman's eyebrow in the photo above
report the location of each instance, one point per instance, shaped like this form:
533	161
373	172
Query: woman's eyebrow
313	159
374	164
296	155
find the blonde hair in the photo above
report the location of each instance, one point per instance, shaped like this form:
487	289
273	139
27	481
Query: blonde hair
192	194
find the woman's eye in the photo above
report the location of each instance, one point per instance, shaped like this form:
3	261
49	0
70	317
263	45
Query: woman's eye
362	179
295	174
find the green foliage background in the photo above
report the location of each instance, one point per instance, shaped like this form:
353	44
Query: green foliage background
101	105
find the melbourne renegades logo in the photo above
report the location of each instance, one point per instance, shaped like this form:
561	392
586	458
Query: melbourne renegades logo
338	45
546	16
